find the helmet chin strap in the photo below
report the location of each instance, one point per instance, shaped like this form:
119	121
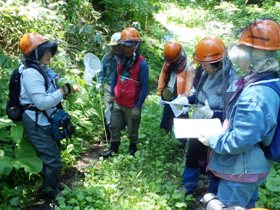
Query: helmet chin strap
36	55
134	53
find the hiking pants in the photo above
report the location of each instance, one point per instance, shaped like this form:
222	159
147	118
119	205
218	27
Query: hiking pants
48	150
120	117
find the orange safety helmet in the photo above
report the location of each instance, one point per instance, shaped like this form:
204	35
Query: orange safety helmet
262	34
172	51
130	34
210	49
31	41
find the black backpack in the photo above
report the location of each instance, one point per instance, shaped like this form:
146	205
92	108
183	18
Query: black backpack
13	108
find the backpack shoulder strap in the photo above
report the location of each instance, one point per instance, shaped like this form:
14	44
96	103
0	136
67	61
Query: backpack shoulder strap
42	72
273	86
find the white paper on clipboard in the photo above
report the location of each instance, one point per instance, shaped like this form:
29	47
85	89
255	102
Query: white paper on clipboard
195	128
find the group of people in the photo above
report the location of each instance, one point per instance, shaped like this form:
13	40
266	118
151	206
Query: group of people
234	160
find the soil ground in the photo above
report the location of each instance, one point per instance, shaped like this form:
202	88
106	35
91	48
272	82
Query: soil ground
70	175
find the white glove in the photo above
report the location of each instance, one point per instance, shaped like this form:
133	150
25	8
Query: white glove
204	140
181	100
192	91
185	110
160	101
98	86
206	111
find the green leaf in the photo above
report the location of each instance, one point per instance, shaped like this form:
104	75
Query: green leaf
5	122
180	204
26	157
273	184
30	164
5	135
6	165
17	133
80	196
15	201
141	136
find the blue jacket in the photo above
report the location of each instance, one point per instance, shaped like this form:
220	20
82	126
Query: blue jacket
109	67
253	119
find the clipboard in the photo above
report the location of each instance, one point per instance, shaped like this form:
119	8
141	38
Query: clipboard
195	128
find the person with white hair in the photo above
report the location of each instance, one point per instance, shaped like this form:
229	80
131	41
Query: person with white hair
109	66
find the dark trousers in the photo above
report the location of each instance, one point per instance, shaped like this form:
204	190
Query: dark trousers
196	155
48	150
196	162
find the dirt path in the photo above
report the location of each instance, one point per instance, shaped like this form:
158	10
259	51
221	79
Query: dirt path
71	175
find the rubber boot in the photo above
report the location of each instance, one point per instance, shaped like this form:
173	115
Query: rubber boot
132	148
114	148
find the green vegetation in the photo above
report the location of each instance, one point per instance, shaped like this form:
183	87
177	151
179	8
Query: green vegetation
152	179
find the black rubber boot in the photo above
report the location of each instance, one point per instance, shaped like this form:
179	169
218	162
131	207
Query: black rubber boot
114	148
132	148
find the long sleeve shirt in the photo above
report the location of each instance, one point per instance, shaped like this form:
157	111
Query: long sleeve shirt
33	91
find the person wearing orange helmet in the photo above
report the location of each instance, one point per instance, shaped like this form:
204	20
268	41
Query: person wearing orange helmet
129	89
175	81
40	96
251	118
212	90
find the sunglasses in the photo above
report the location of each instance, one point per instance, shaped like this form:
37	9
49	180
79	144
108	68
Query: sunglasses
127	44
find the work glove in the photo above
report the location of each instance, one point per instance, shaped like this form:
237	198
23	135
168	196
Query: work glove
204	140
67	86
185	110
135	113
181	100
160	101
69	89
98	86
206	111
192	91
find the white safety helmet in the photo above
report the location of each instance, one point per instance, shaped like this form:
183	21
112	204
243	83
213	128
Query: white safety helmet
114	39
